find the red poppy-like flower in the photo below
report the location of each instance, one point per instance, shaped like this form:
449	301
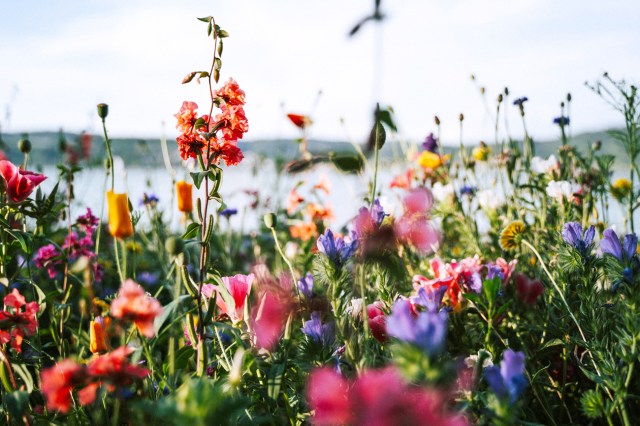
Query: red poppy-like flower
19	184
528	290
59	381
268	318
15	323
190	145
301	121
232	121
135	305
231	93
377	321
115	369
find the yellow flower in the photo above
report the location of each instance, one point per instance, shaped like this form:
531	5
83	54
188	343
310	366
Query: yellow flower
185	199
511	235
97	341
120	225
134	247
621	188
429	160
481	153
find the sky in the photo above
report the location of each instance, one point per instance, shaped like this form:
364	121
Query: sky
58	59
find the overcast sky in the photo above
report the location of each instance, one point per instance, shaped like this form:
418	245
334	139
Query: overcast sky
58	59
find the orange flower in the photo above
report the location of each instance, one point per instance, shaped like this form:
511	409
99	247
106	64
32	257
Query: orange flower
319	212
97	331
304	231
323	185
293	200
185	199
133	304
403	181
120	225
300	121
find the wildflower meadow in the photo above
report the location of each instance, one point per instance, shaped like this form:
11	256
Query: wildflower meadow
481	284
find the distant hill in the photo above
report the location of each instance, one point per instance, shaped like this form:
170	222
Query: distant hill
147	152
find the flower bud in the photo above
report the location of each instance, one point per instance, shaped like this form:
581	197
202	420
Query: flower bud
24	145
597	145
103	110
184	195
437	120
500	98
461	117
174	245
270	220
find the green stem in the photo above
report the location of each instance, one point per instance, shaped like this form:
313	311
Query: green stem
286	260
107	142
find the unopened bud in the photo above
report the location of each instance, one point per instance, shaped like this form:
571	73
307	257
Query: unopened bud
500	98
568	97
103	111
174	245
506	91
24	145
461	117
270	220
437	120
597	145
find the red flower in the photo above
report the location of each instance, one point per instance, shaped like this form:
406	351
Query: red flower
187	117
377	321
19	183
135	305
403	181
268	318
327	393
220	149
190	145
231	93
232	121
24	323
528	290
301	121
238	287
115	368
59	381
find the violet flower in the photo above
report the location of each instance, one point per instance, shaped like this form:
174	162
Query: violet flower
610	244
430	298
336	248
228	212
562	121
509	379
572	235
427	330
305	285
430	144
318	332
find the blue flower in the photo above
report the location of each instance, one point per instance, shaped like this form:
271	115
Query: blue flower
305	285
336	249
562	121
494	271
228	212
430	144
318	332
572	235
148	200
520	101
430	298
610	244
148	278
509	379
468	190
377	212
427	330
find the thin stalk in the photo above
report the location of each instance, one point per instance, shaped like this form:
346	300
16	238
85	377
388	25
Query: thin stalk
107	142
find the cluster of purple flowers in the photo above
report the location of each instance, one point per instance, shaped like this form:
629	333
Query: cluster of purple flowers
572	235
430	144
337	249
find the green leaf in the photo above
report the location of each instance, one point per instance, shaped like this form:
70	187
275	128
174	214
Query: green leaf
274	380
20	237
491	288
386	118
16	403
198	178
348	163
192	231
206	19
378	135
472	297
168	311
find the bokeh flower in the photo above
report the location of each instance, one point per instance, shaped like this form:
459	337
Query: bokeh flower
509	379
184	195
133	304
120	225
16	322
427	330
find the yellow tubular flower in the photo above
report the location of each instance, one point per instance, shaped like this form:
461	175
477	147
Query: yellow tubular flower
97	342
429	160
185	199
120	225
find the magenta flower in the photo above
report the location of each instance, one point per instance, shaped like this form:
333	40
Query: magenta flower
19	184
232	298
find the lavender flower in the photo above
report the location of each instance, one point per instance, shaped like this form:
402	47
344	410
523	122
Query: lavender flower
228	212
509	379
572	235
427	330
305	285
318	332
430	298
148	200
148	278
337	249
610	244
430	144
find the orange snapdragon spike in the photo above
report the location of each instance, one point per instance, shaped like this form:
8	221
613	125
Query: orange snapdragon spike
185	199
120	225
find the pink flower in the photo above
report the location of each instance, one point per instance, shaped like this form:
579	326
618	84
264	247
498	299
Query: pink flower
414	226
327	393
19	183
377	321
507	268
268	318
16	323
238	287
186	117
403	181
48	257
231	93
133	304
528	290
418	200
233	122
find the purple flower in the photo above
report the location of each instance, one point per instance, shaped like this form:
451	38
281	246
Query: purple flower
148	200
493	271
430	144
48	257
318	332
610	244
468	190
572	235
430	298
562	121
520	101
509	379
305	285
377	212
148	278
228	212
87	222
336	249
630	245
427	330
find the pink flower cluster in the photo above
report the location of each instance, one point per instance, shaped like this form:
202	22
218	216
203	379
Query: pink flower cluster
376	398
414	227
231	122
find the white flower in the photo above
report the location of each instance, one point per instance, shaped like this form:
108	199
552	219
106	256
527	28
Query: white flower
472	360
542	166
562	190
489	199
442	192
291	249
356	307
